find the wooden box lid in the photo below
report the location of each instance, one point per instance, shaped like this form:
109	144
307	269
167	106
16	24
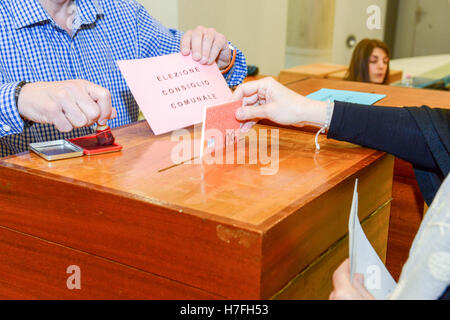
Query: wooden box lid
225	229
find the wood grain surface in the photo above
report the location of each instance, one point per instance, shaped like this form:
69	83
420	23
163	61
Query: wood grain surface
213	227
396	96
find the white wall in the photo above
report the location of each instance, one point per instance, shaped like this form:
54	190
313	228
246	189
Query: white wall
275	34
309	32
351	19
257	27
423	28
165	11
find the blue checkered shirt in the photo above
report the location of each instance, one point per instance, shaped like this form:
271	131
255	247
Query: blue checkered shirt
34	48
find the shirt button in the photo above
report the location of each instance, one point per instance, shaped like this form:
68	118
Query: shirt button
6	128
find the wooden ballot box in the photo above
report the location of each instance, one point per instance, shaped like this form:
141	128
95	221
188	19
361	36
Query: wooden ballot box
139	225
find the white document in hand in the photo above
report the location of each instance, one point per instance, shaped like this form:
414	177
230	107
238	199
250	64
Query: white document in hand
364	259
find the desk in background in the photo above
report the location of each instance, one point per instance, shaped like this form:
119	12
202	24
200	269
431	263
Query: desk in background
315	70
426	66
394	75
324	71
395	96
438	78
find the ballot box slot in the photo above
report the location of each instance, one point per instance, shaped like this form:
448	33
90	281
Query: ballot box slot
177	165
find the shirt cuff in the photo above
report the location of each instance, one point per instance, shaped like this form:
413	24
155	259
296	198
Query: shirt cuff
10	119
238	72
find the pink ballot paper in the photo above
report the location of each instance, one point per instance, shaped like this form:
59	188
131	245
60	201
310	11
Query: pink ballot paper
173	90
220	127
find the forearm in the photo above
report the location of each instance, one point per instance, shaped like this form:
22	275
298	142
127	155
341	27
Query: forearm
315	113
388	129
393	130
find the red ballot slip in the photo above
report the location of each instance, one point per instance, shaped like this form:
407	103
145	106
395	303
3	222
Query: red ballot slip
220	127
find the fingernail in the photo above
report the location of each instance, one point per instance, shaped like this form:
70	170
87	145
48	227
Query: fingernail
197	56
185	51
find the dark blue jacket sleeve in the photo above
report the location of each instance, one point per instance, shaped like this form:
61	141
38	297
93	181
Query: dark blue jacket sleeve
388	129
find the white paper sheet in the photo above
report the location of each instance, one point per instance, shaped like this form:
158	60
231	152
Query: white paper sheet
364	259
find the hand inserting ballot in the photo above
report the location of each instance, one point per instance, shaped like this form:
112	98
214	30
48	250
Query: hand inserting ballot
268	99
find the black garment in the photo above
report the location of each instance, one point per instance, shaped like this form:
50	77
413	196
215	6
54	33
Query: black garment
446	294
418	135
434	125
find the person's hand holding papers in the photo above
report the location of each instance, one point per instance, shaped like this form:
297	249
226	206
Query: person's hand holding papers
207	46
344	289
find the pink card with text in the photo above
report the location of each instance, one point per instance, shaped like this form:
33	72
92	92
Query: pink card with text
173	90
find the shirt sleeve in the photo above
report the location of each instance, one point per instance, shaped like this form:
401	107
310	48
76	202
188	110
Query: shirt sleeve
10	120
388	129
157	40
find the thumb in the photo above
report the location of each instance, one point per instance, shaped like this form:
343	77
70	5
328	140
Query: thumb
360	286
358	280
249	113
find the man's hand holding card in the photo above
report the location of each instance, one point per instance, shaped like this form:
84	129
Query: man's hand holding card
175	92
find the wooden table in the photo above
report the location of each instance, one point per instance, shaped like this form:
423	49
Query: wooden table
258	77
324	71
140	227
314	70
407	205
394	75
395	96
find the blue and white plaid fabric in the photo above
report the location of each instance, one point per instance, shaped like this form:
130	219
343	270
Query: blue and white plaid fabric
34	48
